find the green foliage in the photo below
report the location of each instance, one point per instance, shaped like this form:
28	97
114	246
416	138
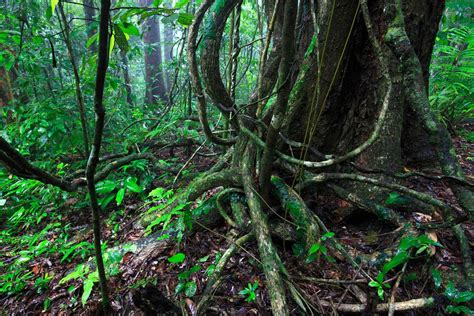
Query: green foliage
320	249
250	291
409	244
456	298
185	283
177	258
82	272
452	69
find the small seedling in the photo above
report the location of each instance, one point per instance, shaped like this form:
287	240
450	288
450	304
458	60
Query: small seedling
249	291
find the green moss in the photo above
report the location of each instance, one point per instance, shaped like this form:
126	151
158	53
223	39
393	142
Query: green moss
311	47
307	230
210	27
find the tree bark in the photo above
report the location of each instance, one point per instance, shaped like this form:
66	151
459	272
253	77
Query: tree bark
126	77
168	53
155	83
89	15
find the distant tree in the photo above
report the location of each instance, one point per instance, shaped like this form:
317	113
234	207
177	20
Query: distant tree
155	83
91	24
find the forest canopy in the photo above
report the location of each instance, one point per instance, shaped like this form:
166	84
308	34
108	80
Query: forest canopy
195	157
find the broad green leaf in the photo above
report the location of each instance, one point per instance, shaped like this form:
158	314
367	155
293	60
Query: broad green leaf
158	192
181	3
210	269
170	18
129	28
105	187
327	235
120	195
54	3
122	41
106	201
436	277
314	248
132	185
194	269
395	261
185	19
111	43
395	198
88	285
380	292
92	39
78	273
130	248
191	288
179	288
177	258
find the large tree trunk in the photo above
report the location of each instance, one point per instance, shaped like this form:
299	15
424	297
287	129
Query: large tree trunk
352	73
155	83
351	93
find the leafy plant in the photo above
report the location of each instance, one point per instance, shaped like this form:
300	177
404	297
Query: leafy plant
82	272
112	190
451	89
250	291
185	283
418	244
320	248
181	216
458	297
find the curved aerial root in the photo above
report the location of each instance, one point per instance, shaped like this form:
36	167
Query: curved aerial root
307	229
237	212
196	188
268	253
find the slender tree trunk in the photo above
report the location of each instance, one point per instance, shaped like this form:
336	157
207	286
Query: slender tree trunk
168	54
77	79
6	92
155	83
126	77
91	25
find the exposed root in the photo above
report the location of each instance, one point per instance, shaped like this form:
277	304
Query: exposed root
213	280
325	177
382	212
417	303
222	210
239	211
196	188
307	229
261	228
465	253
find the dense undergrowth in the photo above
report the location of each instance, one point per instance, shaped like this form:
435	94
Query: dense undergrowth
46	240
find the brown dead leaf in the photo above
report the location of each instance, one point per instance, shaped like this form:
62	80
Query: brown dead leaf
37	269
126	257
433	237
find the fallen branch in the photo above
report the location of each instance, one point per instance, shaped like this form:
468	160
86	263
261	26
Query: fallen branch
417	303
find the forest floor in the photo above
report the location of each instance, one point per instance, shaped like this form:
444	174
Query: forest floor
359	233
